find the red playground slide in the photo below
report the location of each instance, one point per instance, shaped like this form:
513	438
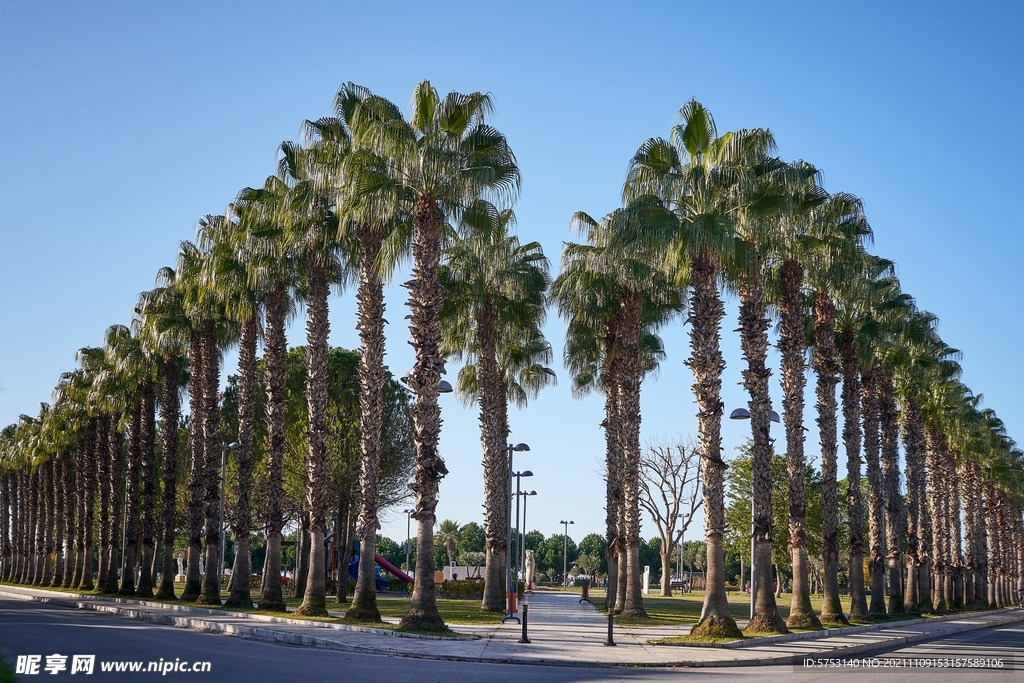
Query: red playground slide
392	568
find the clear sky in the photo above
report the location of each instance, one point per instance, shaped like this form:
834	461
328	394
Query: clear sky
122	123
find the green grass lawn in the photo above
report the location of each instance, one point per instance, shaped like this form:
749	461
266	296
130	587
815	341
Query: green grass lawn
6	671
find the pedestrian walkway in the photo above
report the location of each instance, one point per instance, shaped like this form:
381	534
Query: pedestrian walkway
562	631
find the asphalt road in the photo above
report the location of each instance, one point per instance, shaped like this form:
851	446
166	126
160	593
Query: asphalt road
30	629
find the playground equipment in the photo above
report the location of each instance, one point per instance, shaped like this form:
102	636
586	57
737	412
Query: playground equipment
382	583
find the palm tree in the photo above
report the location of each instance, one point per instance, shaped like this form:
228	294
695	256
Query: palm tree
165	329
311	231
272	272
228	277
700	175
494	292
377	236
437	163
840	229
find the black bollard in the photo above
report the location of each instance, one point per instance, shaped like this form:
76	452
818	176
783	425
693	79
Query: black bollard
524	639
611	640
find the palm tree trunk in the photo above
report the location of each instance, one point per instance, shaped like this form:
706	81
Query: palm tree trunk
212	454
194	511
59	521
115	456
71	507
876	497
88	490
753	330
955	531
241	569
35	526
794	380
826	368
131	501
372	375
275	353
707	364
891	477
103	470
301	556
52	491
170	415
613	471
913	444
147	476
425	301
317	328
5	525
495	465
850	359
629	390
935	474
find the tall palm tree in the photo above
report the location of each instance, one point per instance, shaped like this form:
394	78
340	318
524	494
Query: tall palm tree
494	292
165	329
700	175
376	235
841	230
311	231
273	272
445	157
227	275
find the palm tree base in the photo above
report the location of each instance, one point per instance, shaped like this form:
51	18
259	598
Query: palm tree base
766	624
311	611
421	620
192	591
635	613
238	601
207	599
272	605
166	591
717	627
833	619
364	610
803	620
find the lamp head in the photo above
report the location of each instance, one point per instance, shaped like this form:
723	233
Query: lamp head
740	414
234	446
443	387
526	473
774	417
521	447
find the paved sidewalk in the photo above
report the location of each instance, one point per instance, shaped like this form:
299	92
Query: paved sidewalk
562	631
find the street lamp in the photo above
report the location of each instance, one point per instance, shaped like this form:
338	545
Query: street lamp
224	448
522	555
519	559
408	538
565	553
744	414
510	449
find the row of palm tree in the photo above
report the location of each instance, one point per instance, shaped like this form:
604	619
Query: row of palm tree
363	190
702	212
366	189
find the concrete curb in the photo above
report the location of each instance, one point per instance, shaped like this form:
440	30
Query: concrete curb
80	601
280	637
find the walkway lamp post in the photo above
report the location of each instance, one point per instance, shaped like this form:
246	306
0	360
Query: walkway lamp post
224	448
408	538
744	414
565	553
509	586
519	559
522	554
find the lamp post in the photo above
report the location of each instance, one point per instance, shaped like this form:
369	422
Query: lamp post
522	554
519	558
565	553
224	448
510	449
408	538
744	414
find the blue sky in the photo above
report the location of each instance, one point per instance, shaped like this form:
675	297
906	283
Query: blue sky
123	123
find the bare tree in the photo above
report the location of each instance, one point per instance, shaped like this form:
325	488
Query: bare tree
669	475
